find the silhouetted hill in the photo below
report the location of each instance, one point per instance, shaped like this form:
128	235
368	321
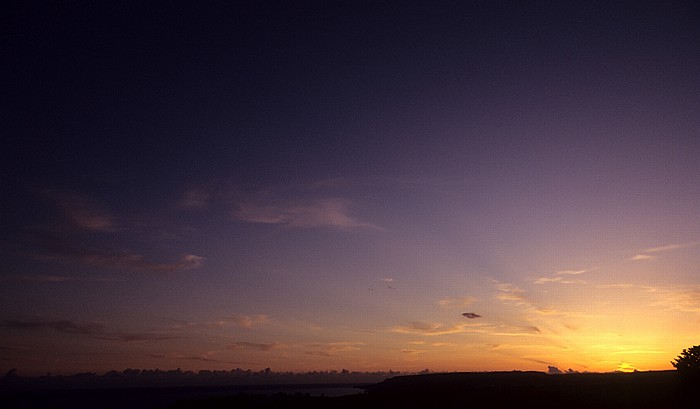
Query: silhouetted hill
491	389
503	389
488	389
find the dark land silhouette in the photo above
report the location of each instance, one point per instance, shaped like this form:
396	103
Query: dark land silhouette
139	378
155	388
492	389
488	389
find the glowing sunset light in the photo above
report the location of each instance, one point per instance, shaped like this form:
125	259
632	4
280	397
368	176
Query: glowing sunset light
341	185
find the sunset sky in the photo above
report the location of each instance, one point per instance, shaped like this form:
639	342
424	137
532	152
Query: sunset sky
325	185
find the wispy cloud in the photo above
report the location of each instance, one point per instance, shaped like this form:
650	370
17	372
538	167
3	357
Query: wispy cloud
49	278
330	213
256	346
520	346
435	344
672	247
196	198
559	280
434	329
88	215
136	337
82	211
562	277
530	317
639	352
428	328
683	299
247	321
570	272
411	352
456	301
124	259
332	348
46	278
616	285
64	326
510	293
677	299
205	357
93	330
644	256
514	330
324	349
641	257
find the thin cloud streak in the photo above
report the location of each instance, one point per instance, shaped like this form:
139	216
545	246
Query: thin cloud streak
510	293
456	301
45	278
124	259
205	357
516	330
684	300
428	328
256	346
616	285
672	247
195	199
246	321
571	272
436	329
638	352
64	326
559	280
49	278
332	348
560	277
330	213
88	215
82	212
643	256
533	319
136	337
93	330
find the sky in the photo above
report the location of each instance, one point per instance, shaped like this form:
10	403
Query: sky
458	186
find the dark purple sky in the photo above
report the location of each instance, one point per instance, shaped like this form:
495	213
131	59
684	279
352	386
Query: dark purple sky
311	185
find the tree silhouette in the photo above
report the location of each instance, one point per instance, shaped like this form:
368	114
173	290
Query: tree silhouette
688	361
